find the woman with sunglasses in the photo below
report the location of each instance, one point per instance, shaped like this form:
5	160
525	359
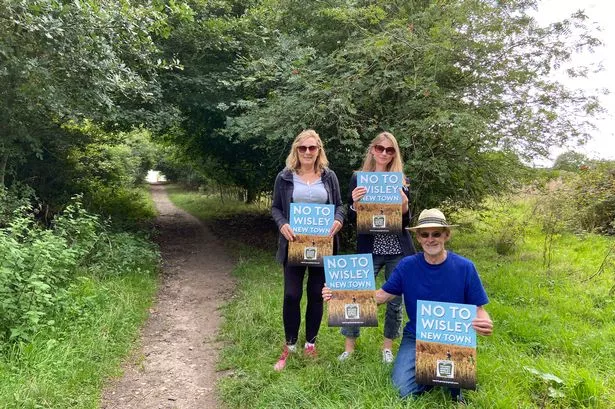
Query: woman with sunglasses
305	179
387	249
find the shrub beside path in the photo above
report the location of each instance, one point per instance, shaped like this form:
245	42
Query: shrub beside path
175	366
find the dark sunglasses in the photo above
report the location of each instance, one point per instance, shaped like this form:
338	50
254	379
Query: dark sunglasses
434	234
390	150
303	149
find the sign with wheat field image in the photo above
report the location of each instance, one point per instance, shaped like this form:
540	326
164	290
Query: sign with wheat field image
379	211
351	280
311	224
445	344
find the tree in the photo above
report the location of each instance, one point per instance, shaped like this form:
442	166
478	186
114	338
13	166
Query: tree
207	44
464	86
70	61
570	161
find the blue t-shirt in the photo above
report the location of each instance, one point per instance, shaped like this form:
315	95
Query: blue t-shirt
455	280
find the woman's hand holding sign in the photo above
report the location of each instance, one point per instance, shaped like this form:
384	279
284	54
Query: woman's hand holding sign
326	294
404	201
287	232
337	226
358	193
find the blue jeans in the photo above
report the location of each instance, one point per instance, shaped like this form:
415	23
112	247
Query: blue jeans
404	370
393	315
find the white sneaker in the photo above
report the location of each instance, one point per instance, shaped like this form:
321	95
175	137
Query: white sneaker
387	356
344	356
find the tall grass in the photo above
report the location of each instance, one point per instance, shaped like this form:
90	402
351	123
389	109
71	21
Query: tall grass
553	345
67	367
73	299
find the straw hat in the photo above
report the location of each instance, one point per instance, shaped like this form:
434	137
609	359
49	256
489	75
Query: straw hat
431	218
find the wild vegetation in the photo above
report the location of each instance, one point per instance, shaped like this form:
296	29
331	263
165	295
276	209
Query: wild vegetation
94	93
223	86
463	86
78	81
551	348
72	297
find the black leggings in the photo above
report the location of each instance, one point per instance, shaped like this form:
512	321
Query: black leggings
293	290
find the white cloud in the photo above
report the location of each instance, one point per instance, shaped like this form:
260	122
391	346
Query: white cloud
602	143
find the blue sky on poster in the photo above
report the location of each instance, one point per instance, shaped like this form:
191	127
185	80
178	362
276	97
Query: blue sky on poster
602	143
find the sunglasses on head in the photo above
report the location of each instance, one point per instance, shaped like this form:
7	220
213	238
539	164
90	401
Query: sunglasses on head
303	149
434	234
390	150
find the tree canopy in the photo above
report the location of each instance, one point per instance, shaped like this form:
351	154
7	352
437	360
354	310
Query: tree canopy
464	85
63	62
570	161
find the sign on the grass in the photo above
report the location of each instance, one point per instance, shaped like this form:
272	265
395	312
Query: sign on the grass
351	279
311	224
445	344
379	211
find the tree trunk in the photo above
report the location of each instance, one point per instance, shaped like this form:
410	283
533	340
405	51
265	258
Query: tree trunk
251	196
3	161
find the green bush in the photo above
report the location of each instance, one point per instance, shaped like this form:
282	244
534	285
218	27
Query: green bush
39	267
120	252
594	198
36	266
96	320
126	206
582	201
504	218
180	169
12	198
571	161
110	172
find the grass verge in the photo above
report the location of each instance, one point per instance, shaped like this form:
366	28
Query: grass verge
553	345
67	368
92	311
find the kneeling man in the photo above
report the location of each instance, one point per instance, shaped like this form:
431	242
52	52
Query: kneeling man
435	274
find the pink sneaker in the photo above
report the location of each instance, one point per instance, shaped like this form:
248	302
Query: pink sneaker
310	350
282	361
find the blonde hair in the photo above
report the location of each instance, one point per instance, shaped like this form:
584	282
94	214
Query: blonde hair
395	165
292	160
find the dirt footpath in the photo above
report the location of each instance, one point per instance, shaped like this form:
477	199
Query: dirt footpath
175	366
